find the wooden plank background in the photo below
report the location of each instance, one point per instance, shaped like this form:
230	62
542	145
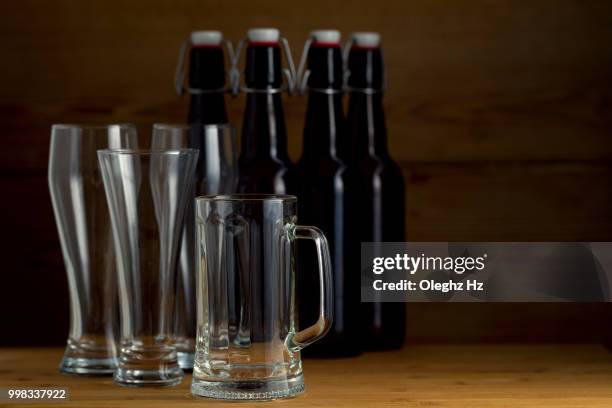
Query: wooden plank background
500	113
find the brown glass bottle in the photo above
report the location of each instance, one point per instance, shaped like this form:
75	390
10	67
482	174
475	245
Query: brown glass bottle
264	162
381	184
207	89
207	79
327	197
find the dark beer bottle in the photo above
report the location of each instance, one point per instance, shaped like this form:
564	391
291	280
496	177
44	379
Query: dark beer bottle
207	78
326	197
264	162
381	184
206	86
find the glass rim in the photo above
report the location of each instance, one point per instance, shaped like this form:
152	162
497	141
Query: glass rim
92	126
147	151
246	197
186	126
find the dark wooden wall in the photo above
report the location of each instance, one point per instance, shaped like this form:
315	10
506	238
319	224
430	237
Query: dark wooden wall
500	112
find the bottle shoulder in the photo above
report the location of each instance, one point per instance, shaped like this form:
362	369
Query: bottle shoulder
320	161
267	175
330	173
381	166
264	162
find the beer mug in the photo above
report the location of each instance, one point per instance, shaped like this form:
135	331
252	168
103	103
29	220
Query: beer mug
248	345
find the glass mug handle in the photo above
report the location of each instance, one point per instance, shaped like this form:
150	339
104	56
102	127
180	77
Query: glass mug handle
313	333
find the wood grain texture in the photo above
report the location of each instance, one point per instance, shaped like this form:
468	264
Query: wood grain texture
509	201
469	80
452	376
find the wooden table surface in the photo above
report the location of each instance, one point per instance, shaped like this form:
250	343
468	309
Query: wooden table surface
471	376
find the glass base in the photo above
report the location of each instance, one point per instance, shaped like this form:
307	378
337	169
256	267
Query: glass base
88	366
185	360
88	356
148	365
139	378
248	390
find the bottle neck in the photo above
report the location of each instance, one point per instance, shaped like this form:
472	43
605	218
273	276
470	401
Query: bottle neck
208	108
365	67
325	67
263	68
206	68
325	127
264	134
207	82
366	120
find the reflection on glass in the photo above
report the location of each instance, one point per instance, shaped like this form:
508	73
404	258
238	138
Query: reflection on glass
147	193
216	173
83	224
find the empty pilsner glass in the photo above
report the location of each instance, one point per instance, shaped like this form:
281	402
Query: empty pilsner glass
83	223
147	192
248	345
216	173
